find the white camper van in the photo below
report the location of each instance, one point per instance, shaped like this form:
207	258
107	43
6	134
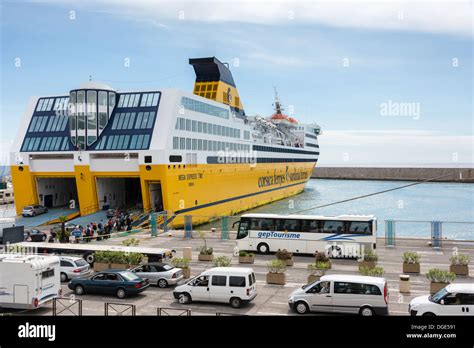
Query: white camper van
28	281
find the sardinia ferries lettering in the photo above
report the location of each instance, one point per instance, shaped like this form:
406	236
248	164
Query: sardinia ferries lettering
279	179
285	235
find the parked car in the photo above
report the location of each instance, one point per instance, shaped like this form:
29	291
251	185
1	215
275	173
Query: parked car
333	293
234	285
73	267
454	299
159	273
35	235
33	210
122	283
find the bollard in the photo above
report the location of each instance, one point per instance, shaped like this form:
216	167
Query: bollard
404	283
187	253
188	226
389	233
225	228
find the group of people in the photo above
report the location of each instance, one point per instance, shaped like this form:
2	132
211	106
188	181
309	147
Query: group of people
121	221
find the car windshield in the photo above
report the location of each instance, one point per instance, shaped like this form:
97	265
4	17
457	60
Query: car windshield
27	208
129	276
81	262
438	296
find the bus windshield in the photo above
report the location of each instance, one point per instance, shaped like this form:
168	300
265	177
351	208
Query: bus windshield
243	230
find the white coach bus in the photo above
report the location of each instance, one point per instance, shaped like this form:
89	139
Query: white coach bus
339	236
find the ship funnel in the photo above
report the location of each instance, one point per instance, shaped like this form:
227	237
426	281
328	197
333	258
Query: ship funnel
214	81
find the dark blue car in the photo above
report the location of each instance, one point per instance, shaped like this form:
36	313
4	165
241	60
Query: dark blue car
121	283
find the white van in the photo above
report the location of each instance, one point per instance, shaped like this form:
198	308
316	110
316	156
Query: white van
333	293
28	281
234	285
454	299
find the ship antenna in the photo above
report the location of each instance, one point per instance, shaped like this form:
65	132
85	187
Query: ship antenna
278	108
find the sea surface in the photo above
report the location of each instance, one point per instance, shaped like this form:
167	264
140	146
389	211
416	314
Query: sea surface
451	203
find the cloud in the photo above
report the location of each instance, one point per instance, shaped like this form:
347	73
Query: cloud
351	148
439	16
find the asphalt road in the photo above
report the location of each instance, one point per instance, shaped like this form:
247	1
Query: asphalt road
271	299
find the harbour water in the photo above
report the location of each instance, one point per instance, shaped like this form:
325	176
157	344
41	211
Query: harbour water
424	202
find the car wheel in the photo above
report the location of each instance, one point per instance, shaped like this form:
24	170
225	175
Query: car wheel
263	248
162	283
428	314
79	290
121	293
235	302
63	277
301	307
366	312
184	298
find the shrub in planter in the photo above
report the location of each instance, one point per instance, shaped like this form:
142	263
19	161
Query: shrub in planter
411	262
245	257
322	257
134	259
222	261
369	260
439	279
101	260
276	272
460	264
118	260
285	256
205	253
372	272
183	264
317	270
131	242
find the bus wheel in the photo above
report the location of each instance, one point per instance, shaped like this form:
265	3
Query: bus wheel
263	248
89	258
335	252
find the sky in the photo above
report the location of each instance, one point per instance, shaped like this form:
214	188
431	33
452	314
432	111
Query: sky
389	82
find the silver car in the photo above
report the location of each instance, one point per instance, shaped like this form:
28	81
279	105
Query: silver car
73	267
33	210
159	273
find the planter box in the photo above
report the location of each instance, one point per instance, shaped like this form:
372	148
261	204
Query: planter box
203	257
186	272
368	264
411	268
276	278
313	277
246	259
100	266
435	287
118	266
462	270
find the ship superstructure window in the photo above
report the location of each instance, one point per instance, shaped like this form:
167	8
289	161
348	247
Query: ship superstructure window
181	143
149	99
198	106
206	128
32	144
45	104
91	117
129	100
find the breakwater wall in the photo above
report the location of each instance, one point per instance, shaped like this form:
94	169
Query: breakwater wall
404	174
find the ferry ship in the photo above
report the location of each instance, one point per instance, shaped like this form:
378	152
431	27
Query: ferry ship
187	153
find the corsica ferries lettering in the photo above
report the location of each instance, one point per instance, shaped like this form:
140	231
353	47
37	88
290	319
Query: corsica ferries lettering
278	179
